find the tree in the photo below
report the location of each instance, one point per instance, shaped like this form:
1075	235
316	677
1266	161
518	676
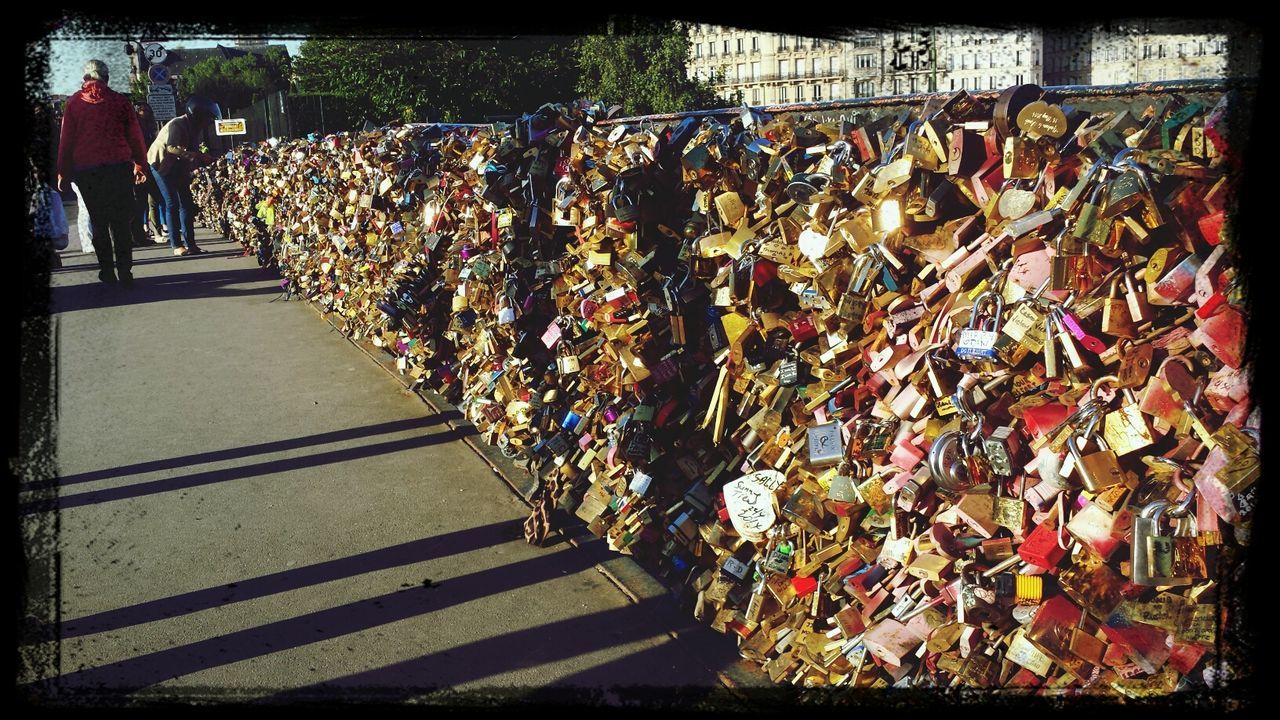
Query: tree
439	80
240	81
643	66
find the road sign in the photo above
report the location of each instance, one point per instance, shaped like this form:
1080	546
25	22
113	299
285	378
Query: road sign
160	89
154	53
163	105
230	127
159	75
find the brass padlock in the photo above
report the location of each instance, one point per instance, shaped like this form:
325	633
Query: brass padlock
1116	320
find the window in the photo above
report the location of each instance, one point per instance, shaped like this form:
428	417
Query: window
782	43
726	47
782	68
833	90
711	49
755	44
964	62
817	70
755	96
831	65
1017	79
742	72
1017	57
866	61
913	83
755	71
1200	48
1219	47
953	83
992	82
897	86
976	82
739	46
799	93
817	93
1182	50
1146	52
799	68
782	94
977	61
1160	50
697	50
799	43
1035	57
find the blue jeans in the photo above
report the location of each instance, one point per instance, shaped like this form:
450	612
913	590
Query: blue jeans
179	206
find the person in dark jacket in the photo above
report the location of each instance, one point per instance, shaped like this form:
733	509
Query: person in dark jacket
101	149
150	201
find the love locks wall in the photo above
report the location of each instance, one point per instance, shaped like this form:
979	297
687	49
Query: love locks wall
923	392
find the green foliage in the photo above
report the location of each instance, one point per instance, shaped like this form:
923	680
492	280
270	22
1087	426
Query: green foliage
642	66
439	80
240	81
138	89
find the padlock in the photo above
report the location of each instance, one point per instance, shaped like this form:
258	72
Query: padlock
1020	158
978	340
1116	318
1004	450
1125	429
1152	552
1099	469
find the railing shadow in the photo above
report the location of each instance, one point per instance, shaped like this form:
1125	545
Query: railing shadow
246	451
666	664
237	473
127	676
415	551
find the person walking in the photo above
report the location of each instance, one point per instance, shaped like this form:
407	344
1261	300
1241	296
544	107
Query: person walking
99	142
150	202
172	162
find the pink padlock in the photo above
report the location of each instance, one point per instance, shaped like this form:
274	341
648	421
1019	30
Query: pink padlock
906	456
1223	335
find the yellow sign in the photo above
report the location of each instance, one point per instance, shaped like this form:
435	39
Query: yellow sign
231	127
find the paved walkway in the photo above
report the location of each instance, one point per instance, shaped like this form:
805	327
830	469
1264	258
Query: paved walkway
249	507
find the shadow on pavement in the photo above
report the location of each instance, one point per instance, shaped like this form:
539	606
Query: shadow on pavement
236	473
240	452
415	551
93	265
523	649
127	676
189	286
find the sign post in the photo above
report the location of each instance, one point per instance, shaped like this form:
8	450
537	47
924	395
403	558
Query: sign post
162	102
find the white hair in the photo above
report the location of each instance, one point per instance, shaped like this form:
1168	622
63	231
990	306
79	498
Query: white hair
96	70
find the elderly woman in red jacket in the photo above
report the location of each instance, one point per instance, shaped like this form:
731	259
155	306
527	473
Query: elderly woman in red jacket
101	149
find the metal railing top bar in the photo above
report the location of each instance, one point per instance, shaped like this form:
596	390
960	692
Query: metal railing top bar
1064	92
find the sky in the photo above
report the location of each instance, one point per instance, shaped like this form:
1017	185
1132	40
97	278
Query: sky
69	54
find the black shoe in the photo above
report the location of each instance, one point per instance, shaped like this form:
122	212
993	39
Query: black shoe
194	250
107	276
126	281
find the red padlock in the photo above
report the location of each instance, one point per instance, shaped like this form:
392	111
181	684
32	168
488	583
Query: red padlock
1211	227
1223	335
1041	547
802	329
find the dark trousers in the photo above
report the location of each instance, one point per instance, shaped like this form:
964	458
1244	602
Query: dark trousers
108	195
150	203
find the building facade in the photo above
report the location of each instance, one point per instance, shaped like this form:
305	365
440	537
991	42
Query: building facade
761	68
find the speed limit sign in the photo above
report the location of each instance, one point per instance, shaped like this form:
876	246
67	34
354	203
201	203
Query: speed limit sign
154	53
